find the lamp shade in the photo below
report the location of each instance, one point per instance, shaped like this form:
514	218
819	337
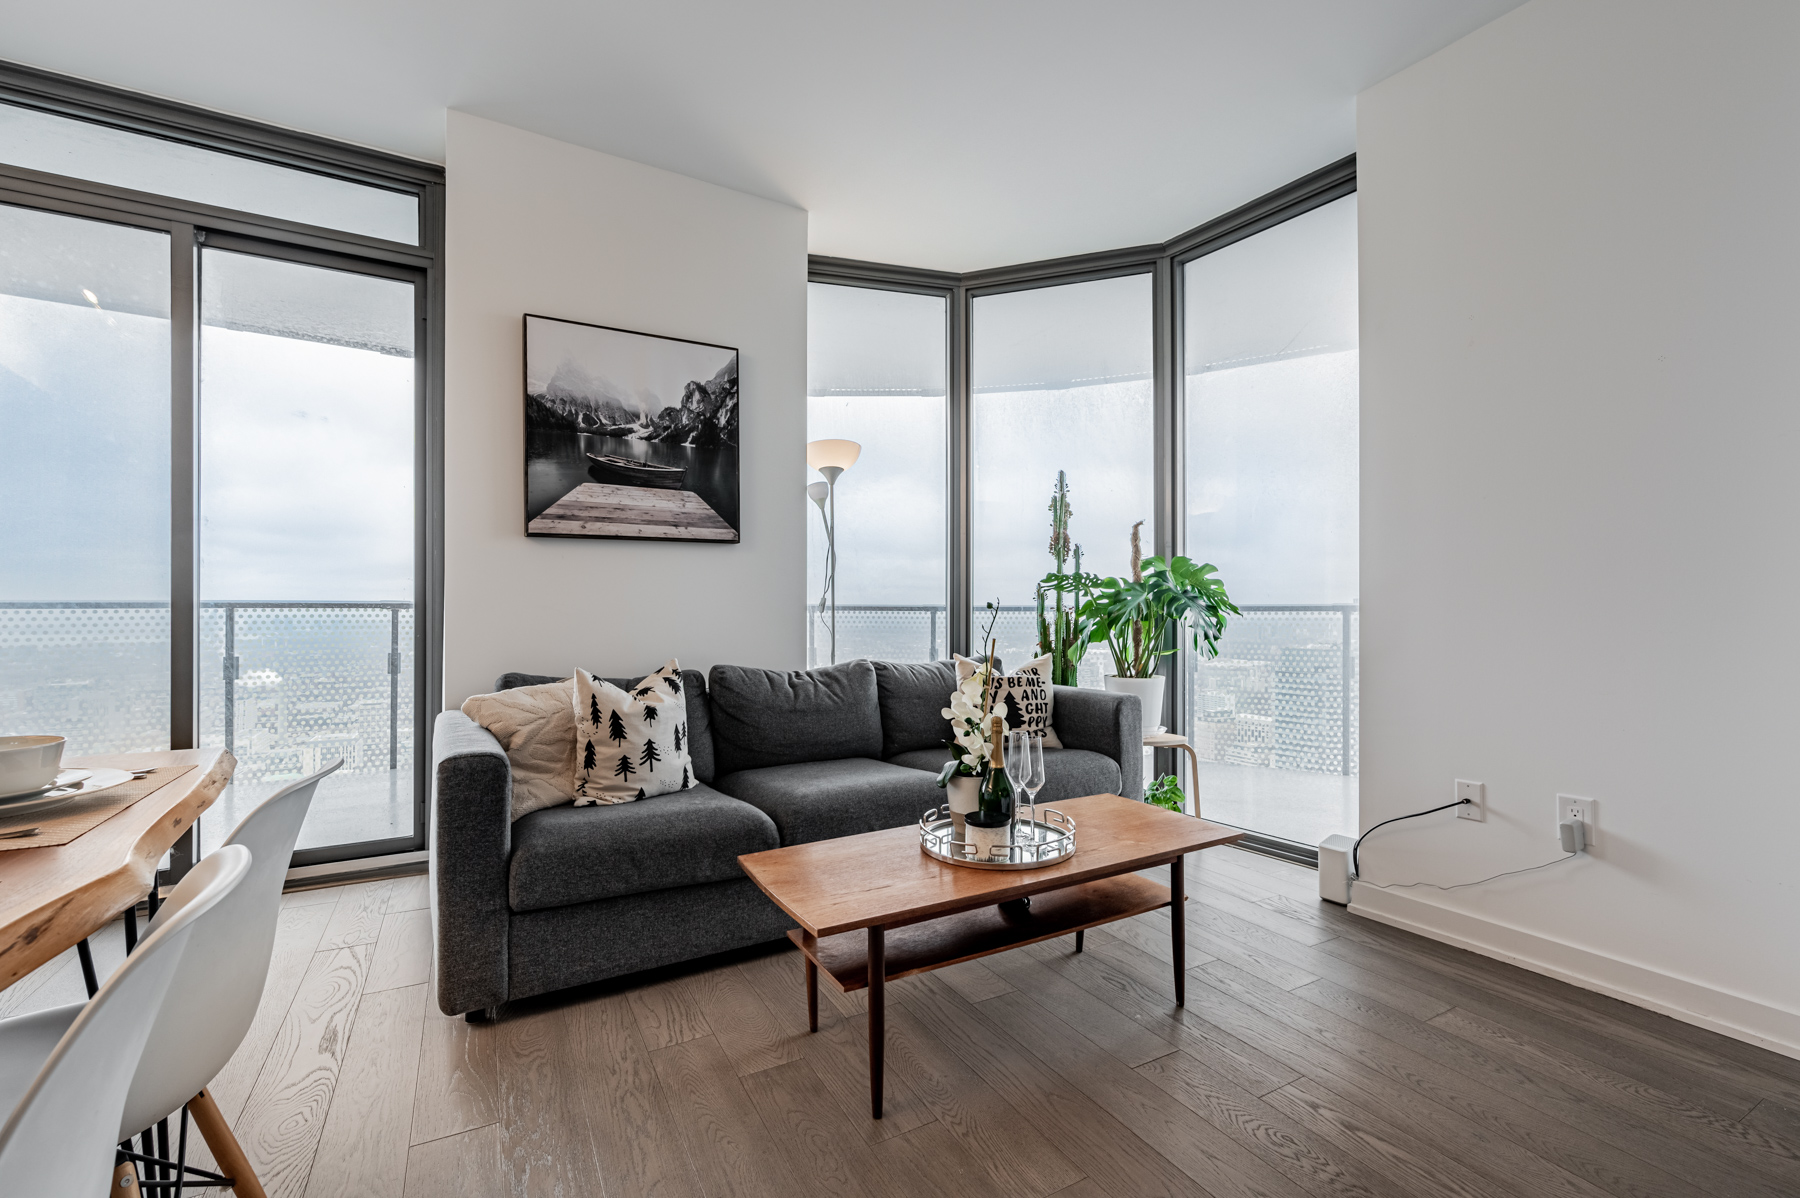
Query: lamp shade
817	493
821	455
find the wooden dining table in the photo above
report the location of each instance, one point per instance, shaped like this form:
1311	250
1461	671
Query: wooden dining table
53	898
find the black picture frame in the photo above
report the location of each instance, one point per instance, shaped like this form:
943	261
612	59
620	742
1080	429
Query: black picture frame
629	435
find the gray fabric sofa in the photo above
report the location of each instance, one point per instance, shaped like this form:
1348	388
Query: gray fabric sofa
571	895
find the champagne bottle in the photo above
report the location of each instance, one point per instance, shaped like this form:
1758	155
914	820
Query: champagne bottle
990	824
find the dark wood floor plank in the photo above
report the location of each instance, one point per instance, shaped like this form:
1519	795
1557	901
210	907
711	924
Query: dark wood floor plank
1729	1062
1406	1162
458	1088
813	1132
1150	934
1125	1038
547	1148
838	1052
739	1019
465	1165
1530	1008
1302	931
1310	1162
1708	1129
1212	1158
667	1013
628	1109
1107	1149
1016	1156
731	1149
975	981
1488	1131
1148	996
938	1163
1776	1119
1349	1013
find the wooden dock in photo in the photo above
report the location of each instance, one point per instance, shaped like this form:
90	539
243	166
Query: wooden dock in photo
649	513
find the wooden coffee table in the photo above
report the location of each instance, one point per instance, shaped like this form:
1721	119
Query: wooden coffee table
919	914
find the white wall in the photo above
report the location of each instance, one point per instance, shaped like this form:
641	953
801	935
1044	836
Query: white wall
535	225
1580	431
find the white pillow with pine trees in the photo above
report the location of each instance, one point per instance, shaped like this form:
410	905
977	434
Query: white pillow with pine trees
632	744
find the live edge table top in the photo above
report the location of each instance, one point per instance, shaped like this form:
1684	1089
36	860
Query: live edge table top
883	879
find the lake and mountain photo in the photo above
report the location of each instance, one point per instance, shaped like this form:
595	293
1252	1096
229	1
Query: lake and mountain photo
629	434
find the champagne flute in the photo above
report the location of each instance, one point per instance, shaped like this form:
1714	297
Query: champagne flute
1030	773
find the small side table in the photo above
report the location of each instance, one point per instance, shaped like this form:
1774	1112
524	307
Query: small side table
1170	740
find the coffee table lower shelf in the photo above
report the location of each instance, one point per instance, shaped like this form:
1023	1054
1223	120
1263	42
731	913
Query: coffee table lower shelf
966	935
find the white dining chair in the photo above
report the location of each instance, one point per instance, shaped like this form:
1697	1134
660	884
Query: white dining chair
72	1066
213	1001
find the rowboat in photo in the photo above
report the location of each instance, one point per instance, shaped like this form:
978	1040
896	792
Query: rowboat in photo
635	473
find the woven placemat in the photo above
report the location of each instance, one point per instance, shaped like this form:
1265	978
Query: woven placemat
84	813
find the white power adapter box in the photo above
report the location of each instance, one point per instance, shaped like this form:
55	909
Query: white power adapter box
1334	869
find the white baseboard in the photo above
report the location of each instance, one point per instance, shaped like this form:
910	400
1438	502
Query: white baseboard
1738	1016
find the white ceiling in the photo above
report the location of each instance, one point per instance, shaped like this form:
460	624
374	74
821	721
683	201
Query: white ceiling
954	134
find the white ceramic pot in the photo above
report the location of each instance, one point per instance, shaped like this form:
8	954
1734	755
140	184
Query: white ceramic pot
1150	696
964	796
28	763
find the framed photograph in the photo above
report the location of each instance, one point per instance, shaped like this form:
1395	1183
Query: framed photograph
629	434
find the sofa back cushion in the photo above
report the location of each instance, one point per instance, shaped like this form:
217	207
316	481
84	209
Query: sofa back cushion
693	688
913	697
780	717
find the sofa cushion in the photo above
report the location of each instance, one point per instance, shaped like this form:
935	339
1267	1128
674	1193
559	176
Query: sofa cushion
566	855
780	717
913	696
817	800
693	688
1068	773
630	744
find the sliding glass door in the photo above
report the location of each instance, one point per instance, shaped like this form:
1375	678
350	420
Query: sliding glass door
222	453
308	442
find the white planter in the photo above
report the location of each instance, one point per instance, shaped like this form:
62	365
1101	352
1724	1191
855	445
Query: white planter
964	795
1150	696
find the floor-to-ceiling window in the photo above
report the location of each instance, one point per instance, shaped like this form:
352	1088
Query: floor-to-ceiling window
876	362
1270	395
1062	381
219	390
84	481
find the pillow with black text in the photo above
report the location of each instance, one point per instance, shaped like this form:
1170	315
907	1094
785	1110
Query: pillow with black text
1025	698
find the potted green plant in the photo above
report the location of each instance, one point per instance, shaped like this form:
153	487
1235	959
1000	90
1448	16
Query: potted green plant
1139	617
1064	632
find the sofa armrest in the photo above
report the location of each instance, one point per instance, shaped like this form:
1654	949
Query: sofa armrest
1103	722
471	846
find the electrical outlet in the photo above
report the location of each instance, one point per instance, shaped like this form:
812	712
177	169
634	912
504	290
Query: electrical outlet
1585	810
1473	797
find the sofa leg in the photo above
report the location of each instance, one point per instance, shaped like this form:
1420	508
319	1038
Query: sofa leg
483	1015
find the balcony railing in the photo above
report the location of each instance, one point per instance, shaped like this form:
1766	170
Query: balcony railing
286	686
1281	694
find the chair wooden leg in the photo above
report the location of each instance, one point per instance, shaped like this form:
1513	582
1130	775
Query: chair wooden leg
124	1182
225	1149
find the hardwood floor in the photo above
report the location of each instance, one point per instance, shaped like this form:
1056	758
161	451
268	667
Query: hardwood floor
1319	1055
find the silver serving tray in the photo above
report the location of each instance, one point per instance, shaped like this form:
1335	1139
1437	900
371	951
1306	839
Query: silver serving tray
1047	839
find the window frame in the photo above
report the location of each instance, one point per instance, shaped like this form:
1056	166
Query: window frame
191	225
1164	262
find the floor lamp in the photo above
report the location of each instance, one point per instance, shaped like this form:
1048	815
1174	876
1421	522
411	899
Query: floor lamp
830	458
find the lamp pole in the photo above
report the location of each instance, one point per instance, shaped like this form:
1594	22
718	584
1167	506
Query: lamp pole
830	458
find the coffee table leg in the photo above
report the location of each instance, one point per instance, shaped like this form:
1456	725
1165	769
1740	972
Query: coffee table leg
877	1016
812	996
1178	927
1078	939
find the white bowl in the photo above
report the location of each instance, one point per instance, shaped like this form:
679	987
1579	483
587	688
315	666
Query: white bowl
28	763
